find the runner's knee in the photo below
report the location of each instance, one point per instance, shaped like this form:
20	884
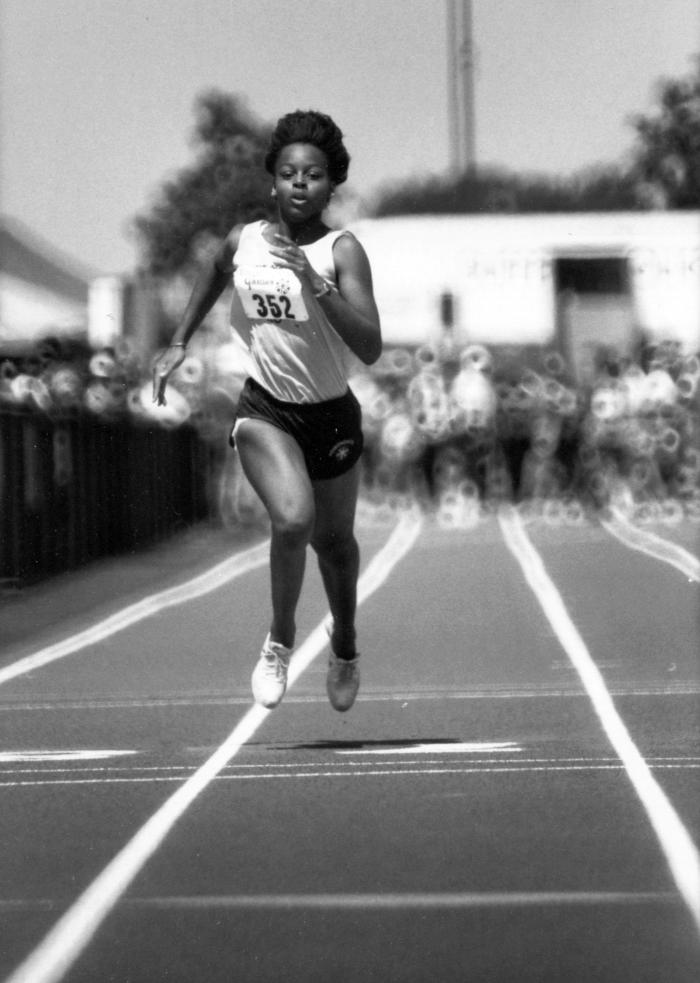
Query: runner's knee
335	546
292	528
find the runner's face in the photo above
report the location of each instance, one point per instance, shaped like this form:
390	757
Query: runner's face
302	183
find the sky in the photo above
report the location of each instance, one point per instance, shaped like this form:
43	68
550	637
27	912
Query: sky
97	96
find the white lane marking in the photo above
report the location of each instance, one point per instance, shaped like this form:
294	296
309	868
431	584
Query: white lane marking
427	899
681	688
485	769
280	766
205	583
655	546
454	747
59	949
675	841
7	757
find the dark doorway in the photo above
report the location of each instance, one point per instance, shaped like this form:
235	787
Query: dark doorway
595	313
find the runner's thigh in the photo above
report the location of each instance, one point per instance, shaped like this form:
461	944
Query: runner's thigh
274	465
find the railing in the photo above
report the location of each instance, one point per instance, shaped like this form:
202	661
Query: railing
75	488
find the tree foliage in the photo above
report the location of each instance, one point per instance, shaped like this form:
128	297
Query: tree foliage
667	156
224	185
663	170
495	190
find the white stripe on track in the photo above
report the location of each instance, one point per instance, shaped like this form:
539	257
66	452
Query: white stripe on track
205	583
651	544
680	851
54	956
392	901
343	762
428	899
544	692
388	772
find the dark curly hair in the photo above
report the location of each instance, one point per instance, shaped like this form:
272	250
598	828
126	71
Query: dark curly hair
309	126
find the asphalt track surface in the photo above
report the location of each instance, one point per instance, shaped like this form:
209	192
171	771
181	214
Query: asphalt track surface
514	796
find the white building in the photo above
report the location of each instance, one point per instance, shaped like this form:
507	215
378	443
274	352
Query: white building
573	281
41	292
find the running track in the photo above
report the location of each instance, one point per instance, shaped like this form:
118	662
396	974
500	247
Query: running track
515	796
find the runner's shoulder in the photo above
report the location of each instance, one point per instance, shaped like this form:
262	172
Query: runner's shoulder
348	251
223	258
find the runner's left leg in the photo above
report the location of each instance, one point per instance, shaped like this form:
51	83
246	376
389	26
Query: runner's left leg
338	554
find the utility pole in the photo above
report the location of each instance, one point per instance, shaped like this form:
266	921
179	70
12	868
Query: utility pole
460	85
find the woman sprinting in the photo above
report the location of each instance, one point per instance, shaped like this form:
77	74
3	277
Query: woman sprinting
303	305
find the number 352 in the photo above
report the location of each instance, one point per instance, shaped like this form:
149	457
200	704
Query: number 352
274	306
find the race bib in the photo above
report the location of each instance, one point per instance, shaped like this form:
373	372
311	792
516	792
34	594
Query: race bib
270	294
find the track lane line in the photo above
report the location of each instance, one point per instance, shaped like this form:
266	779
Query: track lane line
420	900
375	772
205	583
64	943
652	545
675	841
374	695
375	901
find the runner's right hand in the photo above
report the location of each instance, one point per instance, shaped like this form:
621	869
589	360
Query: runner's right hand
165	362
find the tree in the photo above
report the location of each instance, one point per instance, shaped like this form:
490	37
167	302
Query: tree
663	170
225	185
667	157
490	190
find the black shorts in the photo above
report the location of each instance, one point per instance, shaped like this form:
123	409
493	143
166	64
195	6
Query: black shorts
328	433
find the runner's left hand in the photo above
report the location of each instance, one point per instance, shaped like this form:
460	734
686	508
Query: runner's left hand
292	257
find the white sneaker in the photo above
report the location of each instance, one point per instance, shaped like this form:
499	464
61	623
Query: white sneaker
342	681
270	674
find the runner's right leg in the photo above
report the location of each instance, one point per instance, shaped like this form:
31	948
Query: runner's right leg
274	465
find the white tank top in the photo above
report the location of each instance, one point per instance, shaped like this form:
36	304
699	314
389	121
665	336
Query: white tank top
294	352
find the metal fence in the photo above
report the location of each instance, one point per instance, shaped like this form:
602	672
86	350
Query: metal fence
76	488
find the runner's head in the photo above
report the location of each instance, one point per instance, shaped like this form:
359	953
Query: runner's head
314	128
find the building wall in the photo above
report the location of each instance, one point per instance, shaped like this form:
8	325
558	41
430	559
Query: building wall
501	271
29	312
42	292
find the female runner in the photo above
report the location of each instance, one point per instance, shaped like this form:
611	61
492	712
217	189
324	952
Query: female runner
303	305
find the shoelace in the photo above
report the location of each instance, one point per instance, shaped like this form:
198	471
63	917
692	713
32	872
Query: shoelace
275	665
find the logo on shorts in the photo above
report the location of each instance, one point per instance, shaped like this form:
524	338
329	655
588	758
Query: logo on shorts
341	450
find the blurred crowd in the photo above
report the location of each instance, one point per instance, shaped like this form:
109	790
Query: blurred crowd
114	384
455	430
463	430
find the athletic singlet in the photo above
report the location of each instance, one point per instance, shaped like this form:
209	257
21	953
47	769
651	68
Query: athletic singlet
294	352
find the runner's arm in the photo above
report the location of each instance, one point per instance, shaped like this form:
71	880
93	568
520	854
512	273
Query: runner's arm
214	276
352	309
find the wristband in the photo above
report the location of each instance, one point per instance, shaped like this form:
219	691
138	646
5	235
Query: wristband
322	291
178	344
